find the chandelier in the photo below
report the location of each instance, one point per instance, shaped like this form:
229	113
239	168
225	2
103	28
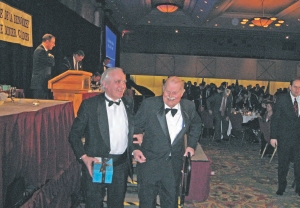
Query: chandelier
167	7
262	21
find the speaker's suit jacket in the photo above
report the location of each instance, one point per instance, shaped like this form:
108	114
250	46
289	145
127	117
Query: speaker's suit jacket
92	123
285	127
41	73
68	63
156	146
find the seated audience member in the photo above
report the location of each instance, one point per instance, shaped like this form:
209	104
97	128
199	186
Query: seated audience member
266	116
95	79
242	100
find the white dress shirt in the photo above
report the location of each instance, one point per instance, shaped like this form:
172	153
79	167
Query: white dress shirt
118	127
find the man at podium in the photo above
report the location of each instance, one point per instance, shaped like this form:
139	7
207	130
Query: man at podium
74	62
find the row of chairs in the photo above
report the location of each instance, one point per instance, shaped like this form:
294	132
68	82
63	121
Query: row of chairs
238	129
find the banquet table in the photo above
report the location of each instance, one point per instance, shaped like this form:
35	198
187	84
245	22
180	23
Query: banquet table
247	118
34	145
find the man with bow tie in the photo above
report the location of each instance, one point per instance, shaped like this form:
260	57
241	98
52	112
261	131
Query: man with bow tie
106	123
164	120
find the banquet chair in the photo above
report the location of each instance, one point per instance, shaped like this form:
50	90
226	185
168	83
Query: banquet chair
207	123
266	131
236	120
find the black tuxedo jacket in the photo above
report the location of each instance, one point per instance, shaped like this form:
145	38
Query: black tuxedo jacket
68	63
151	120
42	63
285	124
214	103
92	123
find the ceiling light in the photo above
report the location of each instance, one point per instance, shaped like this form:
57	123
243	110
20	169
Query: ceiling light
262	21
167	7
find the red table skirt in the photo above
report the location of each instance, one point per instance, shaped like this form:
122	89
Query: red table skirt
200	178
34	145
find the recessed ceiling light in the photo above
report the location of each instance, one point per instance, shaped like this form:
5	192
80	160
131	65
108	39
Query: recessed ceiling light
287	37
176	31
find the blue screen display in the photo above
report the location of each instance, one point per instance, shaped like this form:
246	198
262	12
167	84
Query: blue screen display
111	46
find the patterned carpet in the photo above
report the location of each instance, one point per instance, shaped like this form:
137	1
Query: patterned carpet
242	179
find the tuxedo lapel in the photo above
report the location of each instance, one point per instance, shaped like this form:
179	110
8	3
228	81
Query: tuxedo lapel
161	116
103	120
129	113
290	106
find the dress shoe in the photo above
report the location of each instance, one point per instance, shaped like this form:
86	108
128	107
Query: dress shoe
225	139
279	192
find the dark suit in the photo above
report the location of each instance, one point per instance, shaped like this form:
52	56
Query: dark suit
68	63
285	127
213	103
161	169
41	73
92	123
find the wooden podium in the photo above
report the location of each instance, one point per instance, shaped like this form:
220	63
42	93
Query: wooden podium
70	85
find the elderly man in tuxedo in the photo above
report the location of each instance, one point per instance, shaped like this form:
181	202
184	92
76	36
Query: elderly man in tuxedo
106	123
164	120
43	61
220	106
285	134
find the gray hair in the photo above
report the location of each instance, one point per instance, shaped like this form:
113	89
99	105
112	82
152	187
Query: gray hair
106	73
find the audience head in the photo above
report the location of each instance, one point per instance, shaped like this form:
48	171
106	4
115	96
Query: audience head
96	77
173	90
295	87
79	55
48	41
226	92
113	82
220	89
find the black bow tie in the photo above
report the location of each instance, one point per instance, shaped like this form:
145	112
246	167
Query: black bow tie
110	102
173	111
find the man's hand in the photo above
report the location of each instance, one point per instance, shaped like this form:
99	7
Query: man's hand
189	150
273	142
139	156
227	118
88	161
139	139
210	112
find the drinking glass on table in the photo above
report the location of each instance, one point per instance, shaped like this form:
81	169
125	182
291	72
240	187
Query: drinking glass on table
13	91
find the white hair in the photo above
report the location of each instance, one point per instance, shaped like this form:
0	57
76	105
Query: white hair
106	73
